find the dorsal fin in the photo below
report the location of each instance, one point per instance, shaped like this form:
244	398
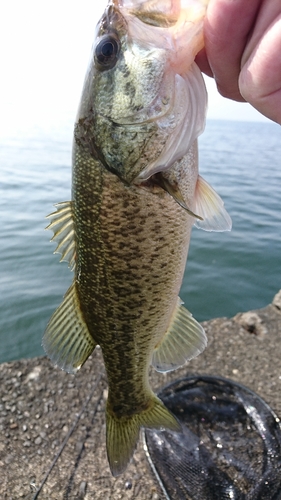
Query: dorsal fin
184	339
63	228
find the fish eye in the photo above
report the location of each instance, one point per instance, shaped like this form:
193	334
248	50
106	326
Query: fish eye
106	52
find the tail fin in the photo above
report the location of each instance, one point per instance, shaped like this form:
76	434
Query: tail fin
122	433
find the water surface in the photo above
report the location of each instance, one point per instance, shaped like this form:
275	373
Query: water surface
226	272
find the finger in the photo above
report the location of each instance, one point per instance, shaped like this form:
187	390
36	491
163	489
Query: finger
268	13
227	27
260	78
203	63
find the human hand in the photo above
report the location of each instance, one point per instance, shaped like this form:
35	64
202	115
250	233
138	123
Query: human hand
243	52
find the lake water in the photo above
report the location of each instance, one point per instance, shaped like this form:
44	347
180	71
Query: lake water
226	272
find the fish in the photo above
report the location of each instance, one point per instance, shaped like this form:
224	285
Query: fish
136	193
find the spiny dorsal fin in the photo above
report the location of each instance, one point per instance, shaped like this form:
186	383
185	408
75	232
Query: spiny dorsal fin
67	340
63	228
184	339
210	206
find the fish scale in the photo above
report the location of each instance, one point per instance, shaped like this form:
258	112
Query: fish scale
125	233
161	240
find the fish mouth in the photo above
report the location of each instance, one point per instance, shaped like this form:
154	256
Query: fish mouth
112	19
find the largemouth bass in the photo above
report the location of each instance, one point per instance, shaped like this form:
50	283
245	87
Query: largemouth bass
136	193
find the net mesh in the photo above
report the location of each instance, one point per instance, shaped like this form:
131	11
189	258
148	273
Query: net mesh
230	447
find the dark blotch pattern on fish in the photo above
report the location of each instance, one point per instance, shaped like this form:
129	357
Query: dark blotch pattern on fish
120	279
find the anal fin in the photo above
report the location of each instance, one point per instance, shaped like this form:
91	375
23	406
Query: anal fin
67	340
184	339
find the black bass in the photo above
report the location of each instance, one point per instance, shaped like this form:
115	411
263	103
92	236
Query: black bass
136	193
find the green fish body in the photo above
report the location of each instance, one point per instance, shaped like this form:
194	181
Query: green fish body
126	231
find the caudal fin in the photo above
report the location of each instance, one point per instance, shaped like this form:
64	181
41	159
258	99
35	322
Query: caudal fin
122	433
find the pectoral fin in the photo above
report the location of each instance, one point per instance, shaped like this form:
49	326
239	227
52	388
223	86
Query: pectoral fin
175	193
67	340
184	339
62	226
211	208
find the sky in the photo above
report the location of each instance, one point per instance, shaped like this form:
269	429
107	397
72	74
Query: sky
44	52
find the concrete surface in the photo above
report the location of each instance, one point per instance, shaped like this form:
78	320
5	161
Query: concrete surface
40	405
